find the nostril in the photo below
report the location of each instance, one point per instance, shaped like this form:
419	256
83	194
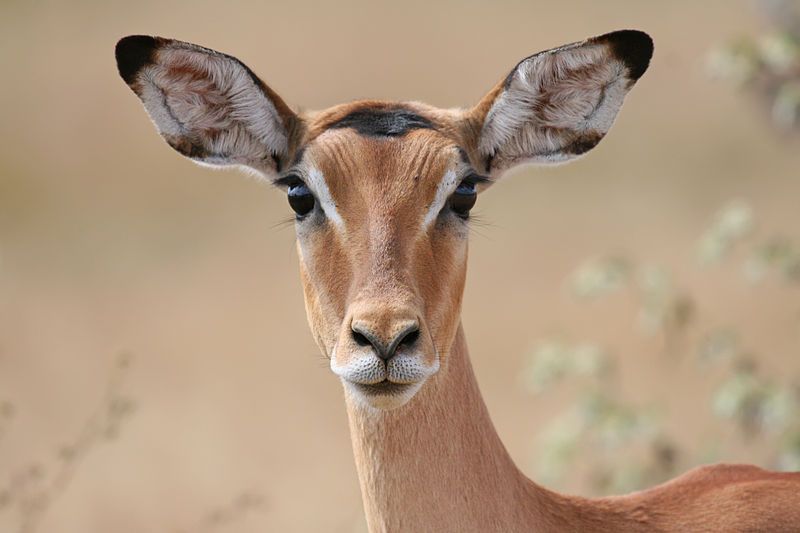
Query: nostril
409	339
363	336
360	339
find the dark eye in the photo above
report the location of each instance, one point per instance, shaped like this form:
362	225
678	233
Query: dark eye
300	199
463	199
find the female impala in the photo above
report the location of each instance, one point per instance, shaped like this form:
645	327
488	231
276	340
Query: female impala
382	193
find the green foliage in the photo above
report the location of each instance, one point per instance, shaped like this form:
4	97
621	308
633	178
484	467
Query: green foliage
731	224
598	425
777	254
553	361
789	455
619	447
755	404
767	66
600	276
662	306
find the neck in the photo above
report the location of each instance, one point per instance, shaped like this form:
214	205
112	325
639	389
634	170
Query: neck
437	463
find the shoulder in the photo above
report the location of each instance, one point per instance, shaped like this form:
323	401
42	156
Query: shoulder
726	497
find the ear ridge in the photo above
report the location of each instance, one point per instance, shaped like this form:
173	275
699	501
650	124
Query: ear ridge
207	105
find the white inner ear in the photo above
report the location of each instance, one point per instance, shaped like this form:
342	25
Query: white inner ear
211	100
554	98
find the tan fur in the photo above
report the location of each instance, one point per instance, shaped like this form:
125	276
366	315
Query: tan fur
381	250
383	269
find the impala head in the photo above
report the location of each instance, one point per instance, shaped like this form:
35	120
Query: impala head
382	191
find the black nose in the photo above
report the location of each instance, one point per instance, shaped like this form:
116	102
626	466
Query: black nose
364	336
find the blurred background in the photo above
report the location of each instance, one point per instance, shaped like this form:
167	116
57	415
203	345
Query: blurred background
630	315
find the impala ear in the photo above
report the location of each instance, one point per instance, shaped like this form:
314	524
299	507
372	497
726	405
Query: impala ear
558	104
208	106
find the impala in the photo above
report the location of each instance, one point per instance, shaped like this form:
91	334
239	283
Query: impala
382	193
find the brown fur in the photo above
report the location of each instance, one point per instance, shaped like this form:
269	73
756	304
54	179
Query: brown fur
382	189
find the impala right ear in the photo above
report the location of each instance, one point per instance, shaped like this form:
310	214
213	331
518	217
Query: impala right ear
558	104
207	105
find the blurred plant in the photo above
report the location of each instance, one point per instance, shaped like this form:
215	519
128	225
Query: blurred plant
718	345
33	489
768	66
598	428
228	515
754	403
552	361
734	225
776	253
6	416
662	306
622	447
601	276
618	447
731	225
789	455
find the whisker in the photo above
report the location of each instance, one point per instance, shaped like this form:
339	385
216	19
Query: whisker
283	223
478	221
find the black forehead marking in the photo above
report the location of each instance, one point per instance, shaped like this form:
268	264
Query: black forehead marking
383	122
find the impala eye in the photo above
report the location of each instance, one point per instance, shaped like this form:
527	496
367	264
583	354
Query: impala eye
463	199
300	199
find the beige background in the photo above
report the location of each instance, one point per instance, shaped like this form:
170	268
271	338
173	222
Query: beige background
110	243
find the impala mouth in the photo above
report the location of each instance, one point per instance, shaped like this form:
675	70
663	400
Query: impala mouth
385	394
384	388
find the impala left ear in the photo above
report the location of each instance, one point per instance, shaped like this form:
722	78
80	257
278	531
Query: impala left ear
209	106
558	104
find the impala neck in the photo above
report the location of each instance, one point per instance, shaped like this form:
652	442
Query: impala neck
437	463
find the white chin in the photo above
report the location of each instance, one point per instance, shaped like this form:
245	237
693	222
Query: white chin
372	396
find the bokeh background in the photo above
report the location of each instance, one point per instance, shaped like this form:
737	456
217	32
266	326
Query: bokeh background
630	315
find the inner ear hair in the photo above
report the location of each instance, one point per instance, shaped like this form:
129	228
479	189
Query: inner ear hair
209	106
558	104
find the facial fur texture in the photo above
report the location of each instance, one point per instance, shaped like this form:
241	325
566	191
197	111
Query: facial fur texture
388	262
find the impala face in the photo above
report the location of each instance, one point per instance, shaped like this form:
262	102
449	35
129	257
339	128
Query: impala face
382	191
382	196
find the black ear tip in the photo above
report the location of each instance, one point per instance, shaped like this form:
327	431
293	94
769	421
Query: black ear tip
632	47
134	52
